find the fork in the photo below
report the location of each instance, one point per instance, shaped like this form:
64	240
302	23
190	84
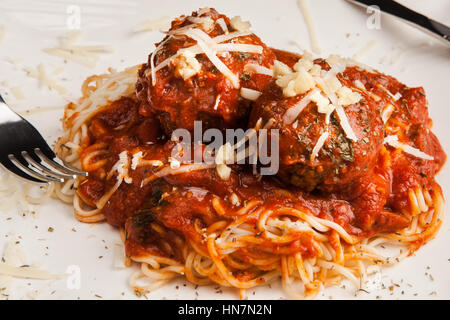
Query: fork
24	152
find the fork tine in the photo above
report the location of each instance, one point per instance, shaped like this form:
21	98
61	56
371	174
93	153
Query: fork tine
57	166
29	171
10	167
29	158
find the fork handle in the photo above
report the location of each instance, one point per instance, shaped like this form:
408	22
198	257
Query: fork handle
436	29
6	113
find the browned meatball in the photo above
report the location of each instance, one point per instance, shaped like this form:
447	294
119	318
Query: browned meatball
340	161
191	87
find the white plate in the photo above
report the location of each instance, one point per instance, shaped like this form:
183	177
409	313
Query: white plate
33	25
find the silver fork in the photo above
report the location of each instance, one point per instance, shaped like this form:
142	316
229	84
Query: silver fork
24	152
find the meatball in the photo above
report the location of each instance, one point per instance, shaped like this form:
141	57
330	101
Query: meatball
189	85
315	150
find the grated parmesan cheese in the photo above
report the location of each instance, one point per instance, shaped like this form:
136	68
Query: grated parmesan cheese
281	69
119	256
187	65
347	96
222	25
296	83
223	171
14	265
68	49
224	156
320	142
174	163
239	25
152	25
205	23
345	124
310	25
393	142
44	78
234	199
292	113
323	104
387	112
369	46
121	167
198	35
250	94
359	84
256	68
137	157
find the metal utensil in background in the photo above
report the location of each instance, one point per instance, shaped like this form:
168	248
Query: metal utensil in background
413	18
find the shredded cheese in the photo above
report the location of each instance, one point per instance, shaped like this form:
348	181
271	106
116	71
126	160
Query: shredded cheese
197	35
224	156
310	25
152	25
223	171
44	78
345	124
26	272
296	83
306	76
214	45
187	65
369	46
231	35
359	84
14	266
250	94
234	199
205	23
256	68
121	167
281	69
174	163
387	112
239	25
241	47
152	60
222	25
137	158
393	142
292	113
323	104
68	49
347	96
119	256
320	142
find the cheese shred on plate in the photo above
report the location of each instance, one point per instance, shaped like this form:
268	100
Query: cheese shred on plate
44	79
152	25
310	24
69	49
